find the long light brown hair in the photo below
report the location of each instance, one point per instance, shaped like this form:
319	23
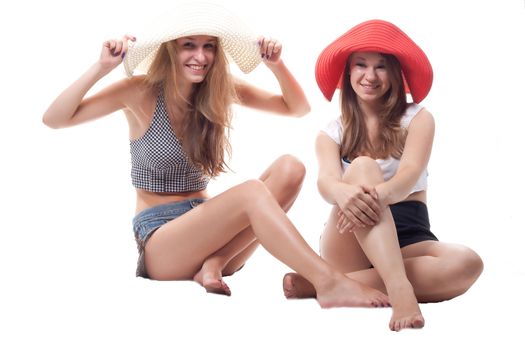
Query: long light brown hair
207	113
391	136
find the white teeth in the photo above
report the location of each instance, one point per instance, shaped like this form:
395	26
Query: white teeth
195	67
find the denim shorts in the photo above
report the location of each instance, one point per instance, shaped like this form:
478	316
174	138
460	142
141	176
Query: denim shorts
149	220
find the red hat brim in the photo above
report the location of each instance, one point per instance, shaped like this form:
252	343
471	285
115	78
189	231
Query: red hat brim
375	36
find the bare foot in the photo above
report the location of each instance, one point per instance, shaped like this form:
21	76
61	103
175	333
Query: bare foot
296	286
343	291
405	309
212	282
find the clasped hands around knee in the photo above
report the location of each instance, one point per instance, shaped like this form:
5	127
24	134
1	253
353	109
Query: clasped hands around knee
358	207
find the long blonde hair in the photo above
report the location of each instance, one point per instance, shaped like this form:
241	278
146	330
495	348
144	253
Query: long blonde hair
207	113
391	136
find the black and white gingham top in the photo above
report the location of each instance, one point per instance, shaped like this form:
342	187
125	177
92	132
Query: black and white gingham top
158	161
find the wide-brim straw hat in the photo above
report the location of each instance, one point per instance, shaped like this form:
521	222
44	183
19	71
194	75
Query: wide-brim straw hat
375	36
195	18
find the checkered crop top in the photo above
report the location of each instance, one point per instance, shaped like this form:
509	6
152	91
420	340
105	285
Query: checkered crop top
158	161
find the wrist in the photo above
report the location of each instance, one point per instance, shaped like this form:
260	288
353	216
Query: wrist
276	67
100	70
384	196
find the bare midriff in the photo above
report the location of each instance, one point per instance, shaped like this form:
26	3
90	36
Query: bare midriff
147	199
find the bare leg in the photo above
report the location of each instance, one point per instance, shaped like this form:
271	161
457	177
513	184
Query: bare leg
283	179
438	271
381	247
177	249
377	245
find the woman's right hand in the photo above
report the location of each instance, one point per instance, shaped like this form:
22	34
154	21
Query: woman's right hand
358	207
113	52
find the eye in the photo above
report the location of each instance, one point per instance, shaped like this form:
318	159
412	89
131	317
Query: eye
188	45
210	46
381	66
361	64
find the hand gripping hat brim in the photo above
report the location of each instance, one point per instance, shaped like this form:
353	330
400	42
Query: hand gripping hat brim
376	36
195	18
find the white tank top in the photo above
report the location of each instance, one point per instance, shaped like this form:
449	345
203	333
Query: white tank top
388	166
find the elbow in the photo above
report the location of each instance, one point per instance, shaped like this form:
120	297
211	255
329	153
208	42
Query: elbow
50	123
301	111
305	110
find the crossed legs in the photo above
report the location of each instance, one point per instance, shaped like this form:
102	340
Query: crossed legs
283	179
437	271
178	249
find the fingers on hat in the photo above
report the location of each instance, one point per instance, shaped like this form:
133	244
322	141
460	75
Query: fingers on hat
268	46
129	37
114	46
125	44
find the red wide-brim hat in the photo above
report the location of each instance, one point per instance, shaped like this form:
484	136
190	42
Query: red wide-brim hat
376	36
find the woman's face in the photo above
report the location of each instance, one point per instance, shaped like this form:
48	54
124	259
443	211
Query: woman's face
369	76
196	55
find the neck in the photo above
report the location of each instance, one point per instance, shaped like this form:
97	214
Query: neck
370	110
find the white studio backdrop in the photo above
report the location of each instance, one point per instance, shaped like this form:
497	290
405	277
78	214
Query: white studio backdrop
69	255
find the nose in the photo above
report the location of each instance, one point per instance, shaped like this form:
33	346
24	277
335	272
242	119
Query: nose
370	74
199	54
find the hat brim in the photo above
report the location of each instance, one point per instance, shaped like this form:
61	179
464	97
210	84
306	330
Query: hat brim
195	18
375	36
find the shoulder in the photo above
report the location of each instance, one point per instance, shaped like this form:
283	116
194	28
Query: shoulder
325	143
135	84
334	129
413	112
124	89
133	90
422	123
243	89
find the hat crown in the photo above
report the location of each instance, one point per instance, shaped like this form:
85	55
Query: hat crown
195	18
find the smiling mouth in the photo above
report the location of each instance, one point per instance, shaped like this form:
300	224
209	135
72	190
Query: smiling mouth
369	87
196	68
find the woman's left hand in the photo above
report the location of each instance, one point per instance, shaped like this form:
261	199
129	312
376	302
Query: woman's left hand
345	225
270	49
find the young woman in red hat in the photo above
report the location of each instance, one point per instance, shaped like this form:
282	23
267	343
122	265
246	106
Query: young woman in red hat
372	168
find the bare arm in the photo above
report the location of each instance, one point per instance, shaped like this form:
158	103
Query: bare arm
72	108
354	200
414	160
329	160
292	101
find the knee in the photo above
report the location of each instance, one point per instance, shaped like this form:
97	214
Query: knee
467	267
253	194
253	188
291	170
363	168
472	264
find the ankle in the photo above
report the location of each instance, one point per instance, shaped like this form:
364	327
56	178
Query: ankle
214	263
327	281
400	289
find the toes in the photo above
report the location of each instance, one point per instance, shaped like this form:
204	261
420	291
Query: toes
419	322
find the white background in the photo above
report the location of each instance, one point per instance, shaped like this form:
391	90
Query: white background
68	256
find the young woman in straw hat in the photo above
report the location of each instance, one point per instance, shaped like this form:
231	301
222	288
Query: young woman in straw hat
372	168
178	115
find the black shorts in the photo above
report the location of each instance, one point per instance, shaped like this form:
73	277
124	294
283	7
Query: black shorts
412	223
